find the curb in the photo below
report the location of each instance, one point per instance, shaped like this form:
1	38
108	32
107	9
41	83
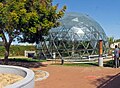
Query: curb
45	77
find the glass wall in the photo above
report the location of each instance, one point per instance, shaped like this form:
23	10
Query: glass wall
76	38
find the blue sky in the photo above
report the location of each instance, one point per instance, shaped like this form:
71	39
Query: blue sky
105	12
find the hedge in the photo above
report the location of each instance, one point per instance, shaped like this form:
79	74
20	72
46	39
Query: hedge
17	50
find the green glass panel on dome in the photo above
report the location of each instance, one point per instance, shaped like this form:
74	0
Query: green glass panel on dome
77	37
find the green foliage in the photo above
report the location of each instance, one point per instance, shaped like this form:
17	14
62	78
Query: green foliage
26	60
17	50
109	63
45	17
110	40
2	50
30	18
117	40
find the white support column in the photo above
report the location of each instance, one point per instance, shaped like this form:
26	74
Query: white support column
100	61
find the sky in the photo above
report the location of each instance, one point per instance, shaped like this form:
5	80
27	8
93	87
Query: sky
105	12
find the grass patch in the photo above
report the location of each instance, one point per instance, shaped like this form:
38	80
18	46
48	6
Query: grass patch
79	64
105	64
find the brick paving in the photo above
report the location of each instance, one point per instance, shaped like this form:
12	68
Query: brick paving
80	77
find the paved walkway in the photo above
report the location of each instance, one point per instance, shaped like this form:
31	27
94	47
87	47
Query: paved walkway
80	77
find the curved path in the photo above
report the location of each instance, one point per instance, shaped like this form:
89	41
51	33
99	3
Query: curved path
80	77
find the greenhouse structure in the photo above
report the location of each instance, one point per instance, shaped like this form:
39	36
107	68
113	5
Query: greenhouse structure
77	38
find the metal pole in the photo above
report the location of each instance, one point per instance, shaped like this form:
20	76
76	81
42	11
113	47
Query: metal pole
100	59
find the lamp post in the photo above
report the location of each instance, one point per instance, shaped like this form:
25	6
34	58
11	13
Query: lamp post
100	58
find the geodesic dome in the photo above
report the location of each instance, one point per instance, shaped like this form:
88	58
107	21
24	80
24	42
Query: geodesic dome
77	36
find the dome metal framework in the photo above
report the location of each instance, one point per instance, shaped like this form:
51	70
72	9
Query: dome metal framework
77	37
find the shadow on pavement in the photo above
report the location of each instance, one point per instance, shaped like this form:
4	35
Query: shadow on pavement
109	82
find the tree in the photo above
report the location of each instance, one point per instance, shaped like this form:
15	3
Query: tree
30	18
49	16
110	40
117	40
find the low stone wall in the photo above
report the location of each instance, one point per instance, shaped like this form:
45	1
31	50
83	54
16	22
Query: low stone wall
27	82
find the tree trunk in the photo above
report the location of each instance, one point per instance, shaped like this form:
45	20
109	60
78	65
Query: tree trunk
6	55
6	44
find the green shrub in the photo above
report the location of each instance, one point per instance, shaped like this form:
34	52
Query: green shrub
2	50
109	63
16	50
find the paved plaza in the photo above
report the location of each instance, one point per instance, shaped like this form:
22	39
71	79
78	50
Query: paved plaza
80	77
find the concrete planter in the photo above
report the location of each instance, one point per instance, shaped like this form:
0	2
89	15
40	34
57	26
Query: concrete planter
27	82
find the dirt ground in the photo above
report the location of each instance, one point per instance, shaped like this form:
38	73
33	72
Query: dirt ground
80	77
7	79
